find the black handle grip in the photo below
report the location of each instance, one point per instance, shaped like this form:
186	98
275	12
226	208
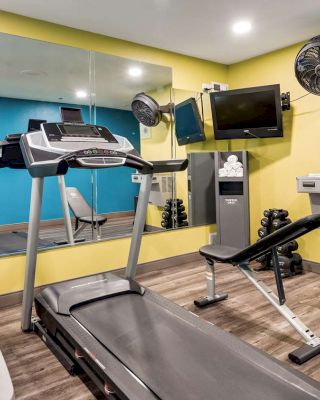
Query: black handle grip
167	166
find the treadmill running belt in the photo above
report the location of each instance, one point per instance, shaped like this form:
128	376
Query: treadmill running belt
180	362
16	242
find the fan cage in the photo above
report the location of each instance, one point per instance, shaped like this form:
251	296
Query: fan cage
307	66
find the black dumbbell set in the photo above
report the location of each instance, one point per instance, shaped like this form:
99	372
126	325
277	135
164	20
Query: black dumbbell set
290	263
174	214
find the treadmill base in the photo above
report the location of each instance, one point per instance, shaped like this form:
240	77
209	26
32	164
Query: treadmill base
56	349
205	301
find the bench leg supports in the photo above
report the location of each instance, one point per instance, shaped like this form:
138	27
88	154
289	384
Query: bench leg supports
79	229
312	346
212	296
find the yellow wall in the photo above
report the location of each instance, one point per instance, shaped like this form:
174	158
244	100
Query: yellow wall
275	163
64	263
81	260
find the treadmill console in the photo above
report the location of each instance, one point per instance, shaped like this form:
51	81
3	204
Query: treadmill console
60	145
67	132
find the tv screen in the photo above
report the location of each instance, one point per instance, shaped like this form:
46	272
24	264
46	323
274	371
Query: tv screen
188	123
247	113
71	115
35	124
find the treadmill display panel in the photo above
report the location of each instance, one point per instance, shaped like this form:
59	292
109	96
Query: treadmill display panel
56	132
79	130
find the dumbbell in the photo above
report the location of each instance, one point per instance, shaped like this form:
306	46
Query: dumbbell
278	223
285	263
262	232
280	214
265	222
296	265
174	201
288	247
166	214
183	223
166	223
178	211
181	216
298	269
296	259
268	213
178	219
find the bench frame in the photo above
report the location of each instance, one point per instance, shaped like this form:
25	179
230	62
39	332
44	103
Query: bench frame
310	349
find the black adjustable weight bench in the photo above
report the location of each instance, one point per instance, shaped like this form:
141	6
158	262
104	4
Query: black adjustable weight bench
241	258
83	212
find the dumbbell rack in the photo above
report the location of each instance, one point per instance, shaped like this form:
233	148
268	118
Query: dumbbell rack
290	263
174	214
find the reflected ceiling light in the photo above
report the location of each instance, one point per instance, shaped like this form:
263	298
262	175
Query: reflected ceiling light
135	72
241	27
81	94
32	72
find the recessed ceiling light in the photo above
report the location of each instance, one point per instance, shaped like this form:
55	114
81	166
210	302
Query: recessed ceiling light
242	27
135	72
81	94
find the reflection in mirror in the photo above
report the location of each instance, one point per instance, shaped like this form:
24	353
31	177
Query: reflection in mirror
117	82
36	79
195	188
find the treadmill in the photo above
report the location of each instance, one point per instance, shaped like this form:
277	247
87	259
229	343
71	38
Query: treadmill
133	343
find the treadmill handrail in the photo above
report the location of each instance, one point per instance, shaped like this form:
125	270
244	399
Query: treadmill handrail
168	166
266	244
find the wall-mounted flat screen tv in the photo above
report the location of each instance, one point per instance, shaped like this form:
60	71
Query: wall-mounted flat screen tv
188	122
247	113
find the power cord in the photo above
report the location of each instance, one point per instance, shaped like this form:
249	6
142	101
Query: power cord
301	97
251	134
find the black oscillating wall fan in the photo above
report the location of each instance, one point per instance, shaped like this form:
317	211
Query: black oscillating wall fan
307	66
147	111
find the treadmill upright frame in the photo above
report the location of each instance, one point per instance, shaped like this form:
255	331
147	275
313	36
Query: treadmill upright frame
33	234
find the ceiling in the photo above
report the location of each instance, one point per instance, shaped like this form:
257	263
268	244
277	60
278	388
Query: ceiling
197	28
36	70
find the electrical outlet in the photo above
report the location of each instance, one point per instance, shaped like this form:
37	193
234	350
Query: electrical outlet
219	87
213	238
214	87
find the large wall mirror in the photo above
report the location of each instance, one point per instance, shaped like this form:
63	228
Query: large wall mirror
36	80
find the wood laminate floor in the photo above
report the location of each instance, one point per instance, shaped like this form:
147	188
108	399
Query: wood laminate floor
36	374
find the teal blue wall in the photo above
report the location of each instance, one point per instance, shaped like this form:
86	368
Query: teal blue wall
115	190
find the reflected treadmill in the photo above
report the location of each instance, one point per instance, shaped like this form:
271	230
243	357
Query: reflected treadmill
133	343
11	157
